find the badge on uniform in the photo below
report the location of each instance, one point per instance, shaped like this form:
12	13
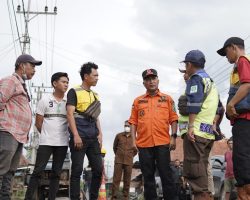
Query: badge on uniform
193	89
162	99
141	113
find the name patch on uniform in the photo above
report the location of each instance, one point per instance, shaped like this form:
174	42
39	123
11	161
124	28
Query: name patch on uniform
162	99
207	128
193	89
142	101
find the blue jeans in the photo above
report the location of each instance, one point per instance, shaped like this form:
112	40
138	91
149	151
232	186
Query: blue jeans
10	153
91	148
43	154
157	157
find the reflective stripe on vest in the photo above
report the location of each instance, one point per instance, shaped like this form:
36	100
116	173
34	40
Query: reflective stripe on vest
204	119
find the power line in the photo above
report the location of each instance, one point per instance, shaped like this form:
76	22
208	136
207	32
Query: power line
6	47
219	59
11	27
16	25
53	42
113	77
20	18
3	55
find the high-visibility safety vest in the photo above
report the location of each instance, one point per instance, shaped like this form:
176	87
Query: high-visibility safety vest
203	123
84	98
244	105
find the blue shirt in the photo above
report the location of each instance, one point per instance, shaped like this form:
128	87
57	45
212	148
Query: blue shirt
195	92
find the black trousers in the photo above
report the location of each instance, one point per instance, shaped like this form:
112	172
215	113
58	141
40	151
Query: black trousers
241	151
91	148
157	157
43	154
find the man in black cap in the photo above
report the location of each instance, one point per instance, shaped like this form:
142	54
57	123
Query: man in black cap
238	111
15	119
197	134
153	115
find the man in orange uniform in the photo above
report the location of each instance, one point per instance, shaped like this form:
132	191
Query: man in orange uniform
152	115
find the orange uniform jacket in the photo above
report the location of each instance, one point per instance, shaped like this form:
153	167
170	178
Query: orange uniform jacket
153	115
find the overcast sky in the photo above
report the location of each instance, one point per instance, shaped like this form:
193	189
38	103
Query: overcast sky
124	37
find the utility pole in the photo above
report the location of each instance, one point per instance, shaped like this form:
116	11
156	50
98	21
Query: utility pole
26	38
39	90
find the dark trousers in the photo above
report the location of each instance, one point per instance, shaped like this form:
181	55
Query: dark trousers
196	162
10	153
241	151
150	158
43	154
119	170
91	148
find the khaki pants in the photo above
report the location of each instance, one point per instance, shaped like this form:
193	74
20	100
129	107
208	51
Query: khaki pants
120	169
196	162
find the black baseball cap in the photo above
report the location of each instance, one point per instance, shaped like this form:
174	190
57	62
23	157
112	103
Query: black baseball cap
149	72
25	58
230	41
196	57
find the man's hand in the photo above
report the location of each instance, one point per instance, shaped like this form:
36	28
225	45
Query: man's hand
172	144
99	137
231	112
135	151
215	130
78	142
135	148
190	134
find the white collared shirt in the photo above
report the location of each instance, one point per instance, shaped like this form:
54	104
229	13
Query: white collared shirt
55	126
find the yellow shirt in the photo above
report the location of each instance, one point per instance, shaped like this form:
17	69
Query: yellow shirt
84	98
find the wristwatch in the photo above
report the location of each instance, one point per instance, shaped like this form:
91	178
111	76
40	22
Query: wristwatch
174	135
190	125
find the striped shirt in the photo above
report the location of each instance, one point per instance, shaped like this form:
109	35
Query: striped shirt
15	111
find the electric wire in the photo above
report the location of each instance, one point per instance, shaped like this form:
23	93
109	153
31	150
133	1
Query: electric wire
4	54
46	49
53	40
11	26
16	25
6	47
20	19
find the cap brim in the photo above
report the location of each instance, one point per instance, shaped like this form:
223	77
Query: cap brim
36	62
149	75
222	52
182	70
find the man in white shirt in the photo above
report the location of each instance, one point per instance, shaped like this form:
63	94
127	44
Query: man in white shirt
51	122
